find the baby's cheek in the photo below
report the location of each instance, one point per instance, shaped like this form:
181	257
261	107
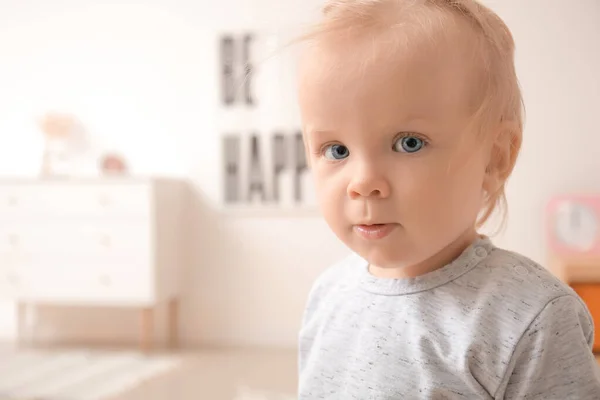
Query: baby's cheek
329	192
419	185
461	204
434	197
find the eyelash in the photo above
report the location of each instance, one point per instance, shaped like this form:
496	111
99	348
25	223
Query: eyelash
411	134
320	151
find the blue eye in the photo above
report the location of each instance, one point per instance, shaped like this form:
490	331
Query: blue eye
336	152
409	144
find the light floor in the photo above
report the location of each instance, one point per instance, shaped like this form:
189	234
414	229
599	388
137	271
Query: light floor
219	375
225	375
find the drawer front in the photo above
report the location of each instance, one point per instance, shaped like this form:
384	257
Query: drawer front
73	278
92	285
93	238
11	281
52	200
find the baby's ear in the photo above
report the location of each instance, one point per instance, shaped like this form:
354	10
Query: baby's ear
504	150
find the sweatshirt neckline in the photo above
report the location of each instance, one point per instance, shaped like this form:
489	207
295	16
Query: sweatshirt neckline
466	261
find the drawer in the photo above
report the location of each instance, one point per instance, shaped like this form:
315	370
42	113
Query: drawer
93	238
89	286
56	199
11	283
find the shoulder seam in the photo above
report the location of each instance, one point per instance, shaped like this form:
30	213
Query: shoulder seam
590	339
525	331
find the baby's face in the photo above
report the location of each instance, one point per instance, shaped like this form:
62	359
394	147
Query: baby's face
387	143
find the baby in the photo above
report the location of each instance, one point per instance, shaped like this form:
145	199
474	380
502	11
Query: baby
412	118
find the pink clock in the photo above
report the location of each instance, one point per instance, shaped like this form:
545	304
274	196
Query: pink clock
573	225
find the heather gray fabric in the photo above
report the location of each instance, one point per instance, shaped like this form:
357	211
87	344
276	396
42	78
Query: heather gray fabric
491	325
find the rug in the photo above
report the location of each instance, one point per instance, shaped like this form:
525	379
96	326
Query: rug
76	374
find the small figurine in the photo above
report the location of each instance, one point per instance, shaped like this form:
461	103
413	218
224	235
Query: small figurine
58	132
113	164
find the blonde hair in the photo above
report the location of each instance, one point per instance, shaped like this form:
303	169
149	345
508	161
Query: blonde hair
498	108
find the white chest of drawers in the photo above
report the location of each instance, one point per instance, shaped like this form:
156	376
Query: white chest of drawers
96	242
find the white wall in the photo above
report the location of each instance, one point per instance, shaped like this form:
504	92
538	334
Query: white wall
558	61
143	76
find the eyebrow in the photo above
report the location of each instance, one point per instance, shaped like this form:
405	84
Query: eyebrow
410	119
319	131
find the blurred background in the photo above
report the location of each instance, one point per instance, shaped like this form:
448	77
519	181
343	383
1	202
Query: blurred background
158	230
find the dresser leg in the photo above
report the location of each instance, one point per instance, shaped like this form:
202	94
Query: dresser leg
147	329
21	323
173	317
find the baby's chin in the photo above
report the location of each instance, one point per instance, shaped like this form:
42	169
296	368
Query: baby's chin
387	261
393	266
389	256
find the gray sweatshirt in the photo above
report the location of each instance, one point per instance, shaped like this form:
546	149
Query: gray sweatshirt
490	325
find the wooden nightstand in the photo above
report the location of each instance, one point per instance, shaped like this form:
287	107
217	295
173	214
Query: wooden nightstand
583	275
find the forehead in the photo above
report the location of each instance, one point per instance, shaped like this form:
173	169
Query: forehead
378	79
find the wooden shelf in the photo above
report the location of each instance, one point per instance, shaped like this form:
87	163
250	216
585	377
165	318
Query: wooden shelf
583	275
